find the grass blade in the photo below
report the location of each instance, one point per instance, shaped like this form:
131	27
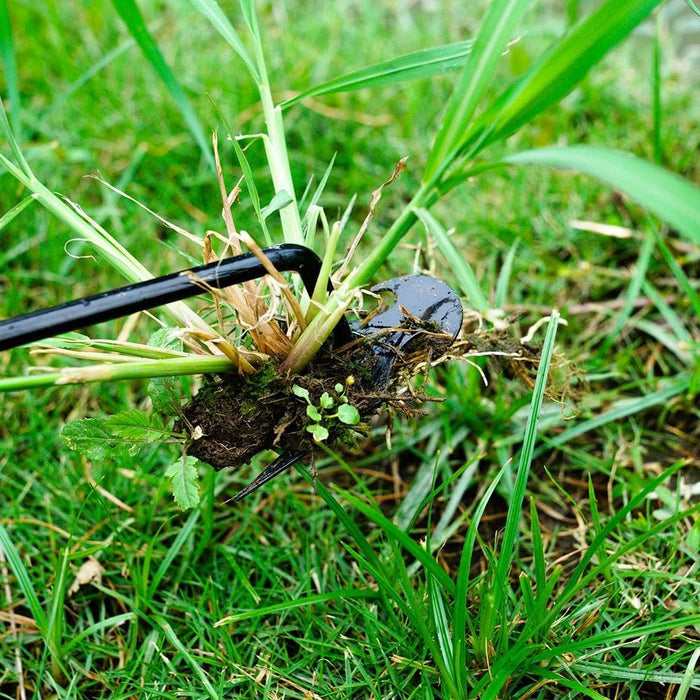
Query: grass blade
24	581
496	30
196	667
412	66
403	539
20	166
183	536
639	272
113	621
683	281
503	281
690	678
316	599
85	77
129	12
7	54
211	10
661	192
15	211
622	409
461	268
510	535
558	71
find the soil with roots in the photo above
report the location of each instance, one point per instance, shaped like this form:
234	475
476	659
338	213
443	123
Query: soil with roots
234	417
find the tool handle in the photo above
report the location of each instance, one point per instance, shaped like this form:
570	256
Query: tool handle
116	303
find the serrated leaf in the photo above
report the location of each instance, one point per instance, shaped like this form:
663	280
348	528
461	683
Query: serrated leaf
88	436
185	482
348	414
167	338
165	393
124	433
134	426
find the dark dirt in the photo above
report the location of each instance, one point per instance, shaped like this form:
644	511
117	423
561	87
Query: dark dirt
234	417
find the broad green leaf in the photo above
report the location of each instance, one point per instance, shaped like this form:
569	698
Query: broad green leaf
167	338
326	401
412	66
133	19
312	412
165	393
348	414
497	29
211	10
661	192
185	481
7	54
559	70
90	437
459	265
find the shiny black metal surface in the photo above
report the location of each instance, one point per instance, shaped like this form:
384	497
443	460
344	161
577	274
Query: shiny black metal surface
163	290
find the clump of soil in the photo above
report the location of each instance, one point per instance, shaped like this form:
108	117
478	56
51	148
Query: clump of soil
234	417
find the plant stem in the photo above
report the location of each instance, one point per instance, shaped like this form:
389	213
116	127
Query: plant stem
322	325
132	370
425	196
277	155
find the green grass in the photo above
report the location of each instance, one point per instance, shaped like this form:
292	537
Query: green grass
485	553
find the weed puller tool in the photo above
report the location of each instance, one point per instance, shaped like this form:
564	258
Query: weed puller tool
420	303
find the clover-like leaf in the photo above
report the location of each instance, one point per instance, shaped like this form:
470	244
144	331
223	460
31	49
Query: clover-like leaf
348	414
312	412
319	432
300	392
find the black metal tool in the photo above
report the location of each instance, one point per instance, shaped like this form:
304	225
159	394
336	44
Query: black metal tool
417	298
164	290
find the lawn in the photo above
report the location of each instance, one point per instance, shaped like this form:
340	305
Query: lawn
533	531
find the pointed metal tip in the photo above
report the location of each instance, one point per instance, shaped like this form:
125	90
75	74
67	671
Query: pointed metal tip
279	465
